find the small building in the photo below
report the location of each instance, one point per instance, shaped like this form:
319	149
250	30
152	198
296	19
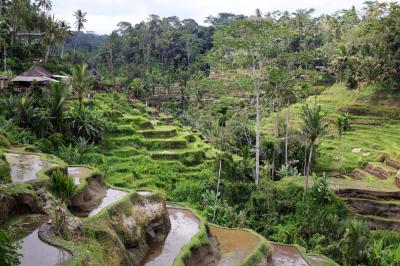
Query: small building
29	38
36	74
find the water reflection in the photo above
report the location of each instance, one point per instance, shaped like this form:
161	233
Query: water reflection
184	225
37	253
283	255
24	167
112	196
235	245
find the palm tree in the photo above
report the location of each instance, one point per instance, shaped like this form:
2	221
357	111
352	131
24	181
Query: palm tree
314	126
342	125
80	81
45	5
355	240
58	92
340	61
52	35
65	30
62	187
80	20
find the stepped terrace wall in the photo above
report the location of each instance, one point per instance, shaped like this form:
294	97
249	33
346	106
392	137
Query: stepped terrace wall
120	234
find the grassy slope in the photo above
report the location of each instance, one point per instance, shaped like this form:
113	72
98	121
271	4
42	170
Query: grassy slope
140	155
375	129
374	134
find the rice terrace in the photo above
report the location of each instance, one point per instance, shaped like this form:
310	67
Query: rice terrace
199	133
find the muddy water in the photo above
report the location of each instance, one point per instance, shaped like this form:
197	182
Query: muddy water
37	253
144	192
24	167
317	260
287	256
184	225
112	196
77	173
235	245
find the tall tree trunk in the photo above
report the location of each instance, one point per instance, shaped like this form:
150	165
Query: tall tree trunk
273	167
62	49
309	165
287	135
112	65
339	147
218	184
256	88
5	57
47	53
76	42
342	150
305	160
257	136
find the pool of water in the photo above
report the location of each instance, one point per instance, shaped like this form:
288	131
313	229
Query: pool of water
184	225
24	167
144	192
234	245
283	255
37	253
112	196
77	173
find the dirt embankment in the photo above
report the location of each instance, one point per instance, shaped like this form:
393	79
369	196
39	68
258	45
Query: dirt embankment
17	204
368	194
206	255
125	231
383	224
89	197
370	207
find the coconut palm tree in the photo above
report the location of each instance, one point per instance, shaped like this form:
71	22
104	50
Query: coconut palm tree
80	20
52	35
314	126
65	30
58	93
342	126
45	5
80	81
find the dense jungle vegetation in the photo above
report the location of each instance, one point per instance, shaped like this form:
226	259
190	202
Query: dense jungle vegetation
259	113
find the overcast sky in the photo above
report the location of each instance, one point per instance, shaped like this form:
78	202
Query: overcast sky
104	15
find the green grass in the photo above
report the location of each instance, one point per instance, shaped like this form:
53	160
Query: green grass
376	133
155	157
349	183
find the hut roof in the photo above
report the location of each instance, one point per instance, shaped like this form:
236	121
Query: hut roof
32	79
37	71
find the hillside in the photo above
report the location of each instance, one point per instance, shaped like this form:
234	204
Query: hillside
145	149
374	119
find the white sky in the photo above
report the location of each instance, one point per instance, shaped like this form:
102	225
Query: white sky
104	15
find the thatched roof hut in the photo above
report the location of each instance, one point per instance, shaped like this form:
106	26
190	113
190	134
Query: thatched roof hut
37	74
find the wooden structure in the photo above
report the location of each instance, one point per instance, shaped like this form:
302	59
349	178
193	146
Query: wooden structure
36	74
28	37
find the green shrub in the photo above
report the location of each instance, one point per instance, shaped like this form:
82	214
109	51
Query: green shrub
188	191
9	255
61	186
4	143
4	172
